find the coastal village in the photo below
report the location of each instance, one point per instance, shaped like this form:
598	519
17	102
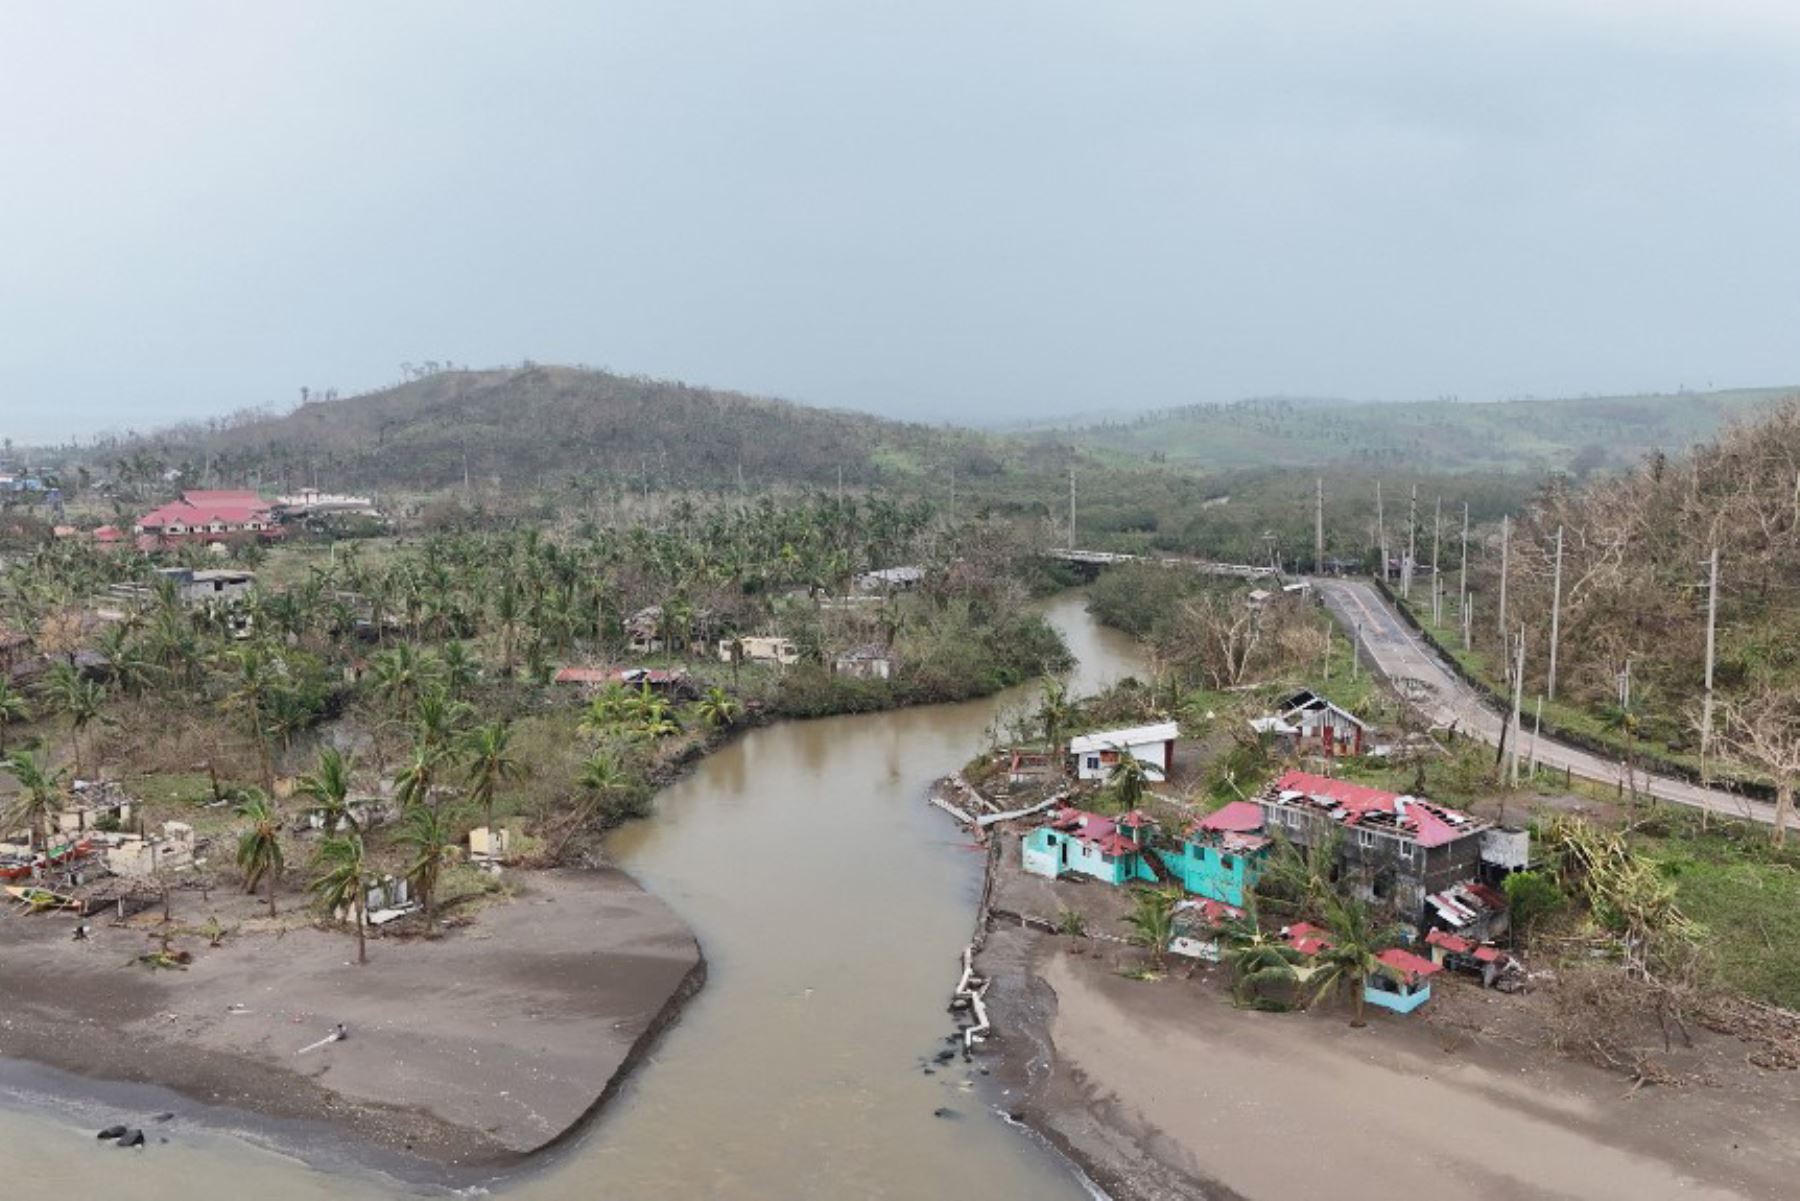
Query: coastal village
415	736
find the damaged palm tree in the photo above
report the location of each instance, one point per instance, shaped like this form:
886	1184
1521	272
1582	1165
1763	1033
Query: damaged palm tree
1623	890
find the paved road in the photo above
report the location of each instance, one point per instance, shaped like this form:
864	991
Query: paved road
1403	655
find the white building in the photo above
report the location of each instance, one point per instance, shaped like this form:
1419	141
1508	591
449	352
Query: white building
1096	754
762	649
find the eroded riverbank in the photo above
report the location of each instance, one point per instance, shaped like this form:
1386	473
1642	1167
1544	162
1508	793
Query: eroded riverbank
466	1053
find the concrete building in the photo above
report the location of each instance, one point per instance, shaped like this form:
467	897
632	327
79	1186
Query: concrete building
1096	754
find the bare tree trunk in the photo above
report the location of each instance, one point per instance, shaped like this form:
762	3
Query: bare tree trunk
271	893
362	942
1784	808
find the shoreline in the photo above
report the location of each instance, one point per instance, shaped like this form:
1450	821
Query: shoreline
587	969
1162	1091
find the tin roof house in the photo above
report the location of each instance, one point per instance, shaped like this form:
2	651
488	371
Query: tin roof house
1391	849
1222	854
1096	754
1077	842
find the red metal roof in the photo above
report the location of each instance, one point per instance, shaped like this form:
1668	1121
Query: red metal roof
1242	817
204	508
1306	938
1429	824
1452	943
1411	967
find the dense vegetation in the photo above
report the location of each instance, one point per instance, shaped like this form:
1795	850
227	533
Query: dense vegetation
416	677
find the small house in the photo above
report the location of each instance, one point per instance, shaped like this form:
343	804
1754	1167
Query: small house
1089	844
644	632
1404	985
762	648
489	845
890	579
1222	854
97	805
1459	954
146	855
870	662
1098	753
1196	925
1317	722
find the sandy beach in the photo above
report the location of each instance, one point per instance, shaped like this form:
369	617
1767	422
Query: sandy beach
465	1052
1162	1090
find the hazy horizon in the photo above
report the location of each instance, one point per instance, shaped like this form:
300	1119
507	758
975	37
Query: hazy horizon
982	212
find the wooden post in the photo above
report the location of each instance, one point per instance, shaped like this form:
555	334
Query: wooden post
1556	616
1072	542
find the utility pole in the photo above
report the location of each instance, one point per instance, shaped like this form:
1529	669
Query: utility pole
1319	528
1555	614
1537	728
1462	586
1412	544
1072	543
1706	704
1381	531
1512	741
1437	578
953	494
1505	553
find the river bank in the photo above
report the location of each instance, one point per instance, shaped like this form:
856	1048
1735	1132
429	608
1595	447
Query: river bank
1161	1090
465	1054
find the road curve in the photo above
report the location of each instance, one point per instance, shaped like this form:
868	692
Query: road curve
1400	653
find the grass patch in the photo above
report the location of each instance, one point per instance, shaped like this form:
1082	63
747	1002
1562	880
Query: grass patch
1746	892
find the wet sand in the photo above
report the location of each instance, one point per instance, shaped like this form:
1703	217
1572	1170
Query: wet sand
1162	1090
465	1054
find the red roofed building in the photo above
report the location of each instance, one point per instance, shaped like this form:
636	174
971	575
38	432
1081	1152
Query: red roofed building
1391	849
209	516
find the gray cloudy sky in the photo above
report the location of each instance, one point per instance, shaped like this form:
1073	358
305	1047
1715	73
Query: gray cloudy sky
946	209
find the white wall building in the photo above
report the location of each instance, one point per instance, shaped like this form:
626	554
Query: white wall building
1096	754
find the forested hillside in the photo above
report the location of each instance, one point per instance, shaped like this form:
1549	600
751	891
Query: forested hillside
1636	552
534	426
1578	436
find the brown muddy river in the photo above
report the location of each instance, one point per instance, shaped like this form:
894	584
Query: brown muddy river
832	904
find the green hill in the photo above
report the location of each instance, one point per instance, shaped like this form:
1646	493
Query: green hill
534	426
1530	436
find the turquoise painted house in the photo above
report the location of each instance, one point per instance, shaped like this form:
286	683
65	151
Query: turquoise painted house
1404	985
1089	844
1222	854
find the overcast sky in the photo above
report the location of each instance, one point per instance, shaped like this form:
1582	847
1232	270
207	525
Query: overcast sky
944	210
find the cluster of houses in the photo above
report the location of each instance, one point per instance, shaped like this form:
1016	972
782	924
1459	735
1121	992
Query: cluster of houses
1435	868
94	859
219	518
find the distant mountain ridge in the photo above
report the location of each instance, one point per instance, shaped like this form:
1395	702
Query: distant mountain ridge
1533	436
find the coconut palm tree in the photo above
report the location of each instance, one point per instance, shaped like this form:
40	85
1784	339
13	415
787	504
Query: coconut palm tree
603	780
1129	779
491	764
259	854
430	835
40	798
717	709
1055	712
329	786
1152	921
13	709
252	674
343	883
416	780
77	697
1357	939
1257	960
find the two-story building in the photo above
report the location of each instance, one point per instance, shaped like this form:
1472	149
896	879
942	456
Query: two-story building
208	516
1089	844
1389	848
1222	854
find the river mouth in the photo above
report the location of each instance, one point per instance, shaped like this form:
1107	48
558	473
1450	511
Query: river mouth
832	905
